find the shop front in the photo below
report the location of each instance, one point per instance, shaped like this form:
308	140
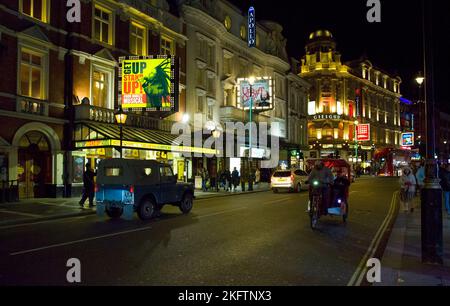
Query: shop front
96	141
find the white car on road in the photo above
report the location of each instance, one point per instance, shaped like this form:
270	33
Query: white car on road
291	180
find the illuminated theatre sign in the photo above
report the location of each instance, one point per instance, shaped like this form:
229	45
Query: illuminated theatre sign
149	83
325	117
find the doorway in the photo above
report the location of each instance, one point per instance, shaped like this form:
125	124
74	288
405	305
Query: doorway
35	165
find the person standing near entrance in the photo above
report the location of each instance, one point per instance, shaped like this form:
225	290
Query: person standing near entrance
88	186
235	178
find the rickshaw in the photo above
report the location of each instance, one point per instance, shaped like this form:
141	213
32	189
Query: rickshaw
338	200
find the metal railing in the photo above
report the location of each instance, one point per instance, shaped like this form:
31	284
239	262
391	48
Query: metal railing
84	112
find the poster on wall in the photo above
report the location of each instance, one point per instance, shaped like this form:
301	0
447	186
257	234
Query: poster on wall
261	94
149	83
78	169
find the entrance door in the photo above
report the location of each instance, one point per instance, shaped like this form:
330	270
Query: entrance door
35	166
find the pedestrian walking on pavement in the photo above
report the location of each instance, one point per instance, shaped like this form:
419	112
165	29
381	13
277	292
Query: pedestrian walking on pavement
235	179
407	189
444	175
420	177
88	186
205	177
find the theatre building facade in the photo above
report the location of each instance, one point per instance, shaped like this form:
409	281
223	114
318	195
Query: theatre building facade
346	99
59	89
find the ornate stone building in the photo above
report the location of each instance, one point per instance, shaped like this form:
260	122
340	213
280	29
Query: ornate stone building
343	94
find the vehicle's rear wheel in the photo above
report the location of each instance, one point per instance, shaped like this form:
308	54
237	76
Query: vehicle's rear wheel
186	203
147	209
114	212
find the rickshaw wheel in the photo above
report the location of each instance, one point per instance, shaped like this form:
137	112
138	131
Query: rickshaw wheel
345	216
114	213
314	213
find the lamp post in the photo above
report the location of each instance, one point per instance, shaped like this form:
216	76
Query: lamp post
216	134
251	82
356	143
121	119
431	197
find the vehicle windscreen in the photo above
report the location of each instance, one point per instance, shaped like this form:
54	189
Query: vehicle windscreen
282	174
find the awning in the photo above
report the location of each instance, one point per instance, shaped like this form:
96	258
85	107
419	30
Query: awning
101	135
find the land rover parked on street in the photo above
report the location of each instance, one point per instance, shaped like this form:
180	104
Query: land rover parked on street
144	186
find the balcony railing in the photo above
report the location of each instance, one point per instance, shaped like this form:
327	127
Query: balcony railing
32	106
85	112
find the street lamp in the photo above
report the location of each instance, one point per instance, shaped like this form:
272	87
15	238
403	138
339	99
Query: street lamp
356	142
251	82
216	134
121	119
431	195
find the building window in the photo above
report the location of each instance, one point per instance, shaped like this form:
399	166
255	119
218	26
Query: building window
210	56
167	46
201	78
101	87
202	52
103	25
200	104
227	65
211	87
35	8
227	22
243	32
312	108
32	74
210	112
138	39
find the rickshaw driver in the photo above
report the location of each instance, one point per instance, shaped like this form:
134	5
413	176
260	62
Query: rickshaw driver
324	177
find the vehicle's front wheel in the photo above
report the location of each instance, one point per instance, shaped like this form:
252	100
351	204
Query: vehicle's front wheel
114	212
187	203
275	190
299	188
147	209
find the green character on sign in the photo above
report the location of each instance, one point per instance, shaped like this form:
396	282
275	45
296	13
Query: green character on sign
157	85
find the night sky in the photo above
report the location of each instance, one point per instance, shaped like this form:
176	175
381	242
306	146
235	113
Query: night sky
394	45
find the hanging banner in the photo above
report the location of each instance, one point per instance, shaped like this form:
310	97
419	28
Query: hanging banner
148	83
251	27
261	93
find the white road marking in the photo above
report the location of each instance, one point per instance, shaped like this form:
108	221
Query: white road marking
20	213
40	222
357	277
221	212
113	234
80	240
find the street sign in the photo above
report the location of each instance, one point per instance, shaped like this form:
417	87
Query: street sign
251	27
407	139
363	132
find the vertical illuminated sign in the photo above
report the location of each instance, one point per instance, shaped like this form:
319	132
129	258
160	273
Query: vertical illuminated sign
251	27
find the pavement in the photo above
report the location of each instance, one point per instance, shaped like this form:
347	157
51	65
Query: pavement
36	210
258	239
401	262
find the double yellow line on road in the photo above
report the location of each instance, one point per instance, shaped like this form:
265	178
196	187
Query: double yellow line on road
361	270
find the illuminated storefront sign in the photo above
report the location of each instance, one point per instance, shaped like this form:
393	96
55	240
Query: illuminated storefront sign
325	117
144	146
363	132
261	94
407	139
149	83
